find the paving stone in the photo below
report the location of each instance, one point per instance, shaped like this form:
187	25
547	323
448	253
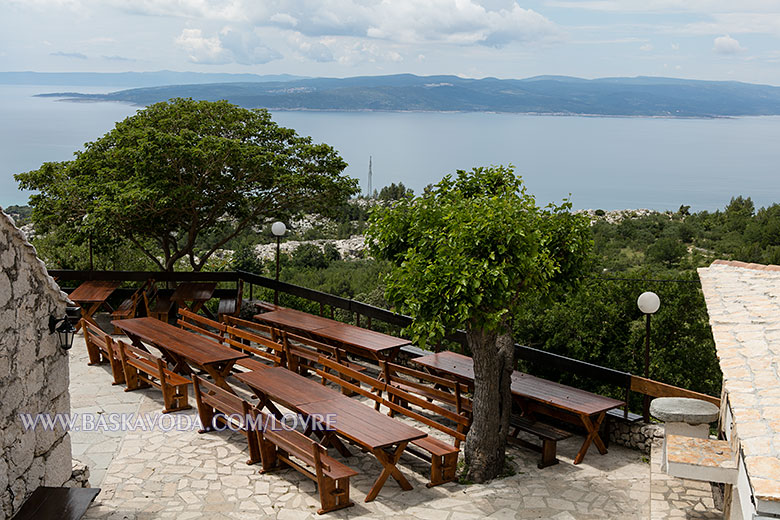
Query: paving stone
180	474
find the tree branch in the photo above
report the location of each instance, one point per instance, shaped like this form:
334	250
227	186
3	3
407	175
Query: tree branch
149	254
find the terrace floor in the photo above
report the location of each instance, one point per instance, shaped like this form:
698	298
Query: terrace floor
151	473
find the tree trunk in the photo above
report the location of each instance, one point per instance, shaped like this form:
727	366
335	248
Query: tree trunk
492	406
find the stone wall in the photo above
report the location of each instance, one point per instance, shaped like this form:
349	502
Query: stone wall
33	373
637	435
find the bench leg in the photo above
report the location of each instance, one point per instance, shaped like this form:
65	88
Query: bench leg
267	450
133	381
549	448
117	371
94	354
443	469
206	416
334	494
254	447
175	398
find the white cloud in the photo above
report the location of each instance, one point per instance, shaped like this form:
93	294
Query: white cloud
665	6
202	50
284	19
675	46
118	58
736	23
246	47
457	22
229	46
311	48
646	47
408	21
727	45
76	55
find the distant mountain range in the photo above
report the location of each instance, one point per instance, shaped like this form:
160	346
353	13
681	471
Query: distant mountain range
640	96
132	79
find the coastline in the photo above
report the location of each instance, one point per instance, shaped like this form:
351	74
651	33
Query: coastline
77	97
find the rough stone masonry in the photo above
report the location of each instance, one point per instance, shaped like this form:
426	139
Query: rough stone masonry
33	373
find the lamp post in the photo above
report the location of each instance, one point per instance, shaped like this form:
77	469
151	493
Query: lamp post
278	229
648	302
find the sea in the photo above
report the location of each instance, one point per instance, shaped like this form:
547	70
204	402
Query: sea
605	163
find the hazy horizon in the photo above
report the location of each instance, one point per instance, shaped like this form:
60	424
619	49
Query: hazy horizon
707	39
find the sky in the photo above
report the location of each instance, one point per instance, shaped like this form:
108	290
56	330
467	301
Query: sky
698	39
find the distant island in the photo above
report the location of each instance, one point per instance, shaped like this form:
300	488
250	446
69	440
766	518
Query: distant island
629	97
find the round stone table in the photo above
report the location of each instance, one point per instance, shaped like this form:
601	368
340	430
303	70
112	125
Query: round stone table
683	416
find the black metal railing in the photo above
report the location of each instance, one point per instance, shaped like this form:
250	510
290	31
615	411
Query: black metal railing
622	380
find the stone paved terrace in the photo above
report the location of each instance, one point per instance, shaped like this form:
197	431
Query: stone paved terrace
743	301
184	475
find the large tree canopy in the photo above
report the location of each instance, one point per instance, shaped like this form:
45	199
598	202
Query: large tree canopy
181	178
465	253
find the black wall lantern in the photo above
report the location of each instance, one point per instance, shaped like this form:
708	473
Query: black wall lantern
64	329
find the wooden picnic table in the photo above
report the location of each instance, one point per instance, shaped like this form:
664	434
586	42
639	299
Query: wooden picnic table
91	295
383	436
197	293
360	341
535	395
182	348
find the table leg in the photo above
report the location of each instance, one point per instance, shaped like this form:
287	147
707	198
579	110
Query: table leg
219	374
592	427
389	461
329	439
264	402
87	314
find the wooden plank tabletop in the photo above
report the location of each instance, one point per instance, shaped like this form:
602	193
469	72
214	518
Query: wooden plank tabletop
199	349
561	396
93	291
362	338
294	319
344	333
524	385
452	363
353	419
194	291
362	424
288	388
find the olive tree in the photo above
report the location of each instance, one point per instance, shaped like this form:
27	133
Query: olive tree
181	178
465	253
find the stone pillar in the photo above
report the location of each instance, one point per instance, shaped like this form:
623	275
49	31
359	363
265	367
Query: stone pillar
33	373
685	417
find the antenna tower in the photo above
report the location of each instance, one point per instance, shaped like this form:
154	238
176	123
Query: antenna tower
370	180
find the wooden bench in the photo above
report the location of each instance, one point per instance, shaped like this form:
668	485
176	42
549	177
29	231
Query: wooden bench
267	307
231	305
279	444
143	370
549	435
158	303
263	349
56	503
217	404
201	325
252	326
101	348
128	308
350	380
431	387
442	456
303	353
